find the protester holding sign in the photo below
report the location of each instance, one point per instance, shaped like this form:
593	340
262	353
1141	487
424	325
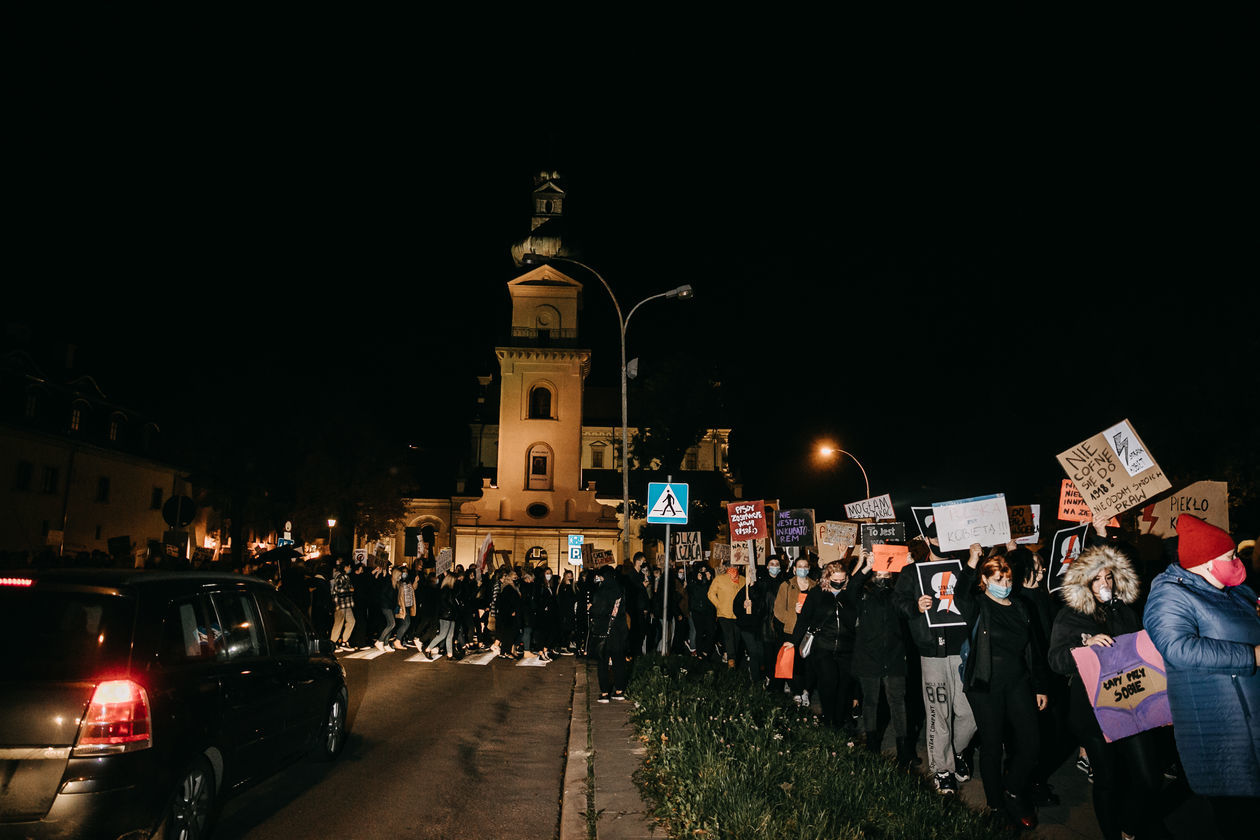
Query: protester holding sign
1002	676
1205	622
721	595
830	616
1098	590
879	656
788	603
950	725
703	613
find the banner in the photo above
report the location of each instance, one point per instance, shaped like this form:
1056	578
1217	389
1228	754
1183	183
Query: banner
1113	470
981	519
445	559
1025	523
1064	548
1208	500
890	558
748	520
794	528
938	579
1072	507
879	507
685	547
883	532
1127	684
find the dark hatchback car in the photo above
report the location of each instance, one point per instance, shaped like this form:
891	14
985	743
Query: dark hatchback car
132	702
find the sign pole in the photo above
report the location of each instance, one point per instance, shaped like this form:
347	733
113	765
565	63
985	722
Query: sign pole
665	587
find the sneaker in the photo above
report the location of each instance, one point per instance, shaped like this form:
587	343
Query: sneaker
962	770
945	783
419	646
805	700
565	652
618	695
427	653
798	700
603	698
380	645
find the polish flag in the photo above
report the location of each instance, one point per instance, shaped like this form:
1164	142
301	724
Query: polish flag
483	556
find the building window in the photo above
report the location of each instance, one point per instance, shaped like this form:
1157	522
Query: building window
113	429
155	499
98	532
49	484
25	472
536	555
102	489
76	417
539	462
597	457
32	406
540	403
538	510
691	460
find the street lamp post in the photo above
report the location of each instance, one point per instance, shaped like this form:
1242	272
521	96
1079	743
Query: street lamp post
683	292
332	523
827	451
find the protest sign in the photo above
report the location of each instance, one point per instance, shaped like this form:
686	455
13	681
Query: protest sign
794	528
445	559
1072	507
926	521
1113	470
938	580
1208	500
889	558
883	532
721	554
1025	521
1127	684
981	519
749	553
832	538
1064	548
879	507
748	520
685	546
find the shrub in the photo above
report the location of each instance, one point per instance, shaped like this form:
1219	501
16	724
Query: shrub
726	760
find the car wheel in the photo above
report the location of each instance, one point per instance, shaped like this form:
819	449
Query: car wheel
332	736
191	812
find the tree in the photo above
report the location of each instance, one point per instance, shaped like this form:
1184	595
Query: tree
675	406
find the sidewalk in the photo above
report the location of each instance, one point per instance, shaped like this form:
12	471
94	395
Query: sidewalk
603	750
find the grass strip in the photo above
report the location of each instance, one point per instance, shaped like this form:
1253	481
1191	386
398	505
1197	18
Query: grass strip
726	760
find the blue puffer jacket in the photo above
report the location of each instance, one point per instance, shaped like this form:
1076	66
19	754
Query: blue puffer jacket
1207	637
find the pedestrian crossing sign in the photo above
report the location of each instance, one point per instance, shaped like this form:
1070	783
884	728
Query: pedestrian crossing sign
667	503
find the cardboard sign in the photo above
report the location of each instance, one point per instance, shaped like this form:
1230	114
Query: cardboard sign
1072	507
1127	684
1113	470
1064	548
839	534
1023	521
889	558
879	507
794	528
924	518
938	579
445	559
750	553
1208	500
721	554
981	519
748	520
685	546
881	533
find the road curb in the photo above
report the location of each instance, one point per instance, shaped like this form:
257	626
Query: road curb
574	789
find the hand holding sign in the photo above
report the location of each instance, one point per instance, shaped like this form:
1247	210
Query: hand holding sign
888	558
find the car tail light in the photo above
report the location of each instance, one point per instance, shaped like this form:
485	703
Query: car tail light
117	720
15	581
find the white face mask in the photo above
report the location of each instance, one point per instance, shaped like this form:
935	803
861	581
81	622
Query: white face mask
1104	594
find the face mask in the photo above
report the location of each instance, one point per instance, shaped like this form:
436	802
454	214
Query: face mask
999	591
1231	572
800	573
773	570
882	583
1104	595
547	577
682	575
837	585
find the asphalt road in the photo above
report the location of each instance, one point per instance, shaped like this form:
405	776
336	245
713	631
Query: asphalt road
437	750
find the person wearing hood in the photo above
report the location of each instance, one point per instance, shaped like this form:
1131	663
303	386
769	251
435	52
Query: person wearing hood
1205	622
1098	592
610	631
702	612
879	656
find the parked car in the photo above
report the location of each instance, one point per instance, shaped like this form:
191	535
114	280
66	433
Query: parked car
135	701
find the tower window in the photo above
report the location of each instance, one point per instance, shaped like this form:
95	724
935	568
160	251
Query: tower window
540	403
539	463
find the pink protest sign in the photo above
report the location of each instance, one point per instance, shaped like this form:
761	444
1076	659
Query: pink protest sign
1127	685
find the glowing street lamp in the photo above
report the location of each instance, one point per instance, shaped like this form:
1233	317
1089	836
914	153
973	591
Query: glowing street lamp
827	451
332	523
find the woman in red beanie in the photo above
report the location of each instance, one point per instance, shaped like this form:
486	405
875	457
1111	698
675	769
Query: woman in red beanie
1205	622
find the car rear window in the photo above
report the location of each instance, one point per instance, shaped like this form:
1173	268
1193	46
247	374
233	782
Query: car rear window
54	634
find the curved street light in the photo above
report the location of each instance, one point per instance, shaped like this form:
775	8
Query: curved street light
684	292
828	451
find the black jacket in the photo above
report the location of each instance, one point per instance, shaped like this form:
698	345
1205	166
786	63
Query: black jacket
978	669
608	614
833	620
930	641
880	643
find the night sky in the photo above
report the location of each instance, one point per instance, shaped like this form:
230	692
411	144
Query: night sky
953	284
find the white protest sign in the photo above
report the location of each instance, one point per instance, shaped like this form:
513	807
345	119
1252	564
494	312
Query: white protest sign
879	507
981	519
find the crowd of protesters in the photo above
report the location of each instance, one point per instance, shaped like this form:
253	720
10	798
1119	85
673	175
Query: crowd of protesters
851	644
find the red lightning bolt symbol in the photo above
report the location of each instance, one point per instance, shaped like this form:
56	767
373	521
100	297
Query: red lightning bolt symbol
1148	516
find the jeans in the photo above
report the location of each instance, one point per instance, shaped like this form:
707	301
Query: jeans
446	633
389	625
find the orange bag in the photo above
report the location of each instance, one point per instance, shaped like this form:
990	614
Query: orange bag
785	661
